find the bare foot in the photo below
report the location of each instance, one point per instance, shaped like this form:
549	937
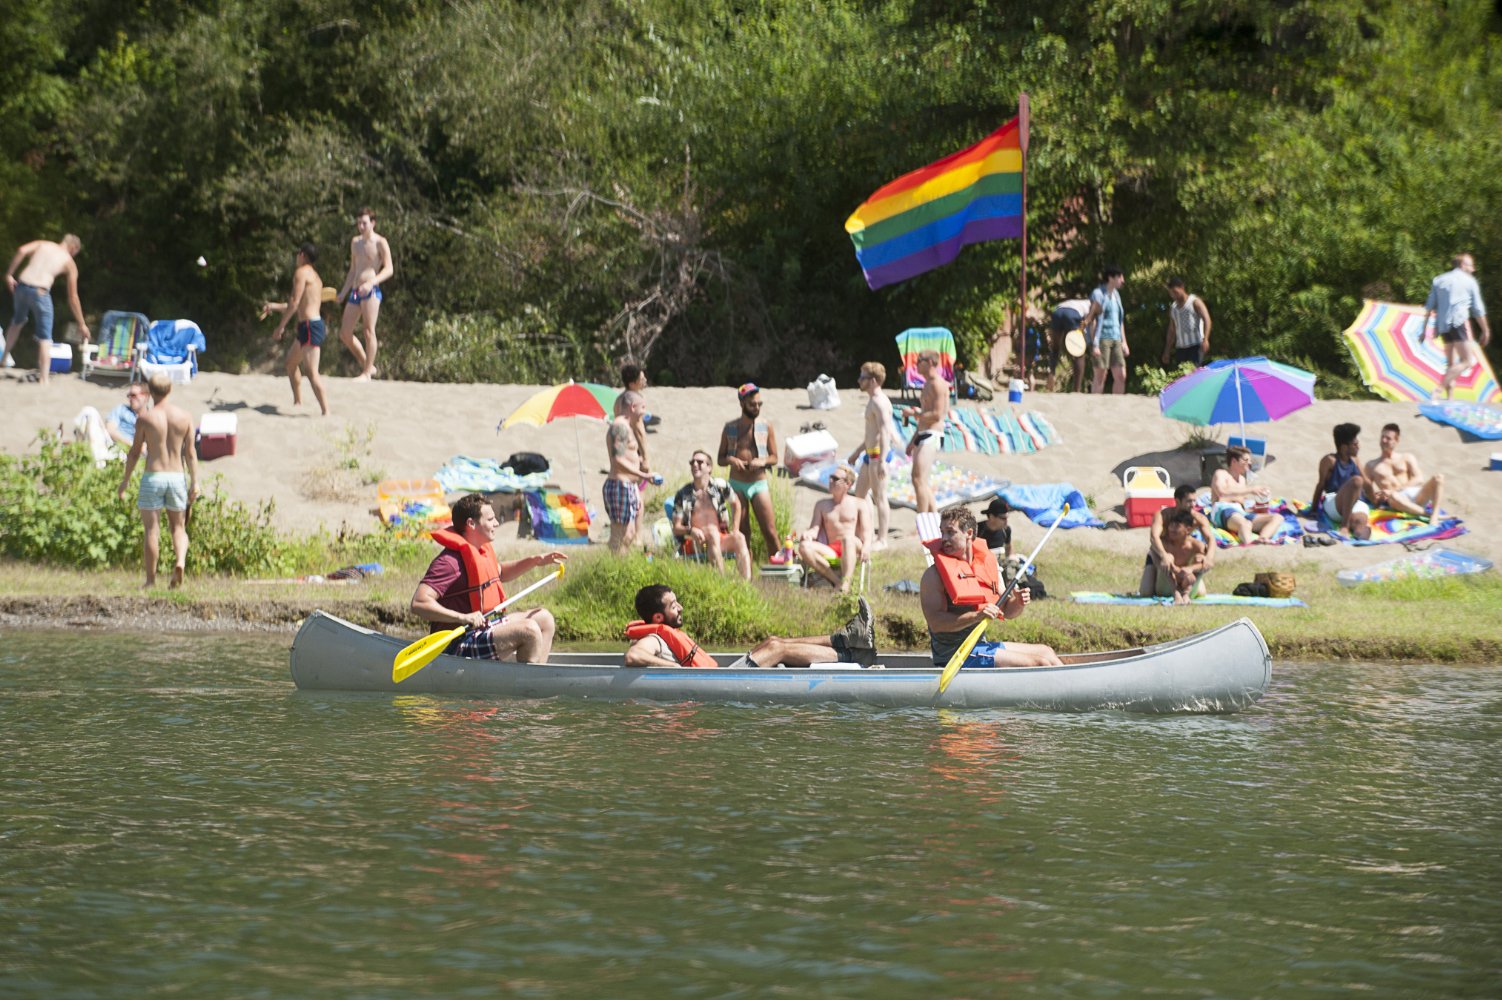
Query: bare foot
877	546
362	377
150	582
177	578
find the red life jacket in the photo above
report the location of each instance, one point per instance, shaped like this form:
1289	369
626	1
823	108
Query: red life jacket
969	583
685	650
480	565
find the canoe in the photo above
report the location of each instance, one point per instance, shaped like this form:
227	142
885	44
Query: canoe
1222	670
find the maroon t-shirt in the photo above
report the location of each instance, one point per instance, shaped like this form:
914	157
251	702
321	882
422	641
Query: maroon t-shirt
447	577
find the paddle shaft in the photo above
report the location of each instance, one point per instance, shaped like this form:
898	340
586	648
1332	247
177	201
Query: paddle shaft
425	650
1029	563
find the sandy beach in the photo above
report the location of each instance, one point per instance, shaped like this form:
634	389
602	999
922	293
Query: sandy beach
317	469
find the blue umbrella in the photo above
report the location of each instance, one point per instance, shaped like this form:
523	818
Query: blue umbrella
1238	390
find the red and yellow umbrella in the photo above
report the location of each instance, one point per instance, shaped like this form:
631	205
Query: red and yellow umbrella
571	399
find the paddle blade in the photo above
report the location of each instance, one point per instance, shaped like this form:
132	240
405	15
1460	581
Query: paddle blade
422	652
958	659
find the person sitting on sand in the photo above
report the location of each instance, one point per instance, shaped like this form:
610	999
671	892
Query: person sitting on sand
1181	574
705	512
464	582
960	590
839	529
117	428
1230	490
1393	479
165	433
658	640
1157	554
1338	490
306	303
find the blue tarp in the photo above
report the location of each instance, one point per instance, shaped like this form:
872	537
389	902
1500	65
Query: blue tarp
1043	503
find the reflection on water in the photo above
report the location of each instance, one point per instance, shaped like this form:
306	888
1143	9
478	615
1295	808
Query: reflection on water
176	817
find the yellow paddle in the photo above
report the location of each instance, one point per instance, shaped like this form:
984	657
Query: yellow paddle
958	659
425	650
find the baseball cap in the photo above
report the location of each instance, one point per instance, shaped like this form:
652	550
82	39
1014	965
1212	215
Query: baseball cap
998	508
749	389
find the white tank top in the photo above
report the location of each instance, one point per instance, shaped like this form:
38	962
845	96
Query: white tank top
1187	326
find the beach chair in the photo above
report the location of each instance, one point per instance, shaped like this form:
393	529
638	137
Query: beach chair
911	343
114	352
928	530
172	346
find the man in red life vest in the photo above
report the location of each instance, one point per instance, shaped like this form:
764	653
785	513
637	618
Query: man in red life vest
658	640
464	582
960	590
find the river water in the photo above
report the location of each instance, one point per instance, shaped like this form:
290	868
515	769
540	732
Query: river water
176	819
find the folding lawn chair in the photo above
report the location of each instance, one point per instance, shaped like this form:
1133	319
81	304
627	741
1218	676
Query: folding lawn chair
114	352
172	346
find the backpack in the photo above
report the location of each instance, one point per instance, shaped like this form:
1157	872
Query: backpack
525	463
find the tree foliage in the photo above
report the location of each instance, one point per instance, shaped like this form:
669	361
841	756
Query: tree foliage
566	185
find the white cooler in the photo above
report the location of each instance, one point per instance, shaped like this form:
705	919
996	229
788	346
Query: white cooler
813	448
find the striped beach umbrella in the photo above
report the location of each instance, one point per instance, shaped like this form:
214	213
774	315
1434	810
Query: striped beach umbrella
1399	363
571	399
1239	390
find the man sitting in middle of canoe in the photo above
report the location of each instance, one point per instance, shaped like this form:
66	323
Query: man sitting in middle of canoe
464	581
960	590
658	640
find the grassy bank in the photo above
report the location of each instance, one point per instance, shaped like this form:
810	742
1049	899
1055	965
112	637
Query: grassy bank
1446	621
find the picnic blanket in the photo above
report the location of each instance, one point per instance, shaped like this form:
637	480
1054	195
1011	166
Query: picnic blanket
983	430
952	484
1044	502
462	474
1392	526
1100	597
1474	418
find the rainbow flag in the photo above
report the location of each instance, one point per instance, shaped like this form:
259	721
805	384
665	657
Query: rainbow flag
921	220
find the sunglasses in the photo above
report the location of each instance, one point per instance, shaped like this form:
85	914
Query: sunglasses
697	461
837	479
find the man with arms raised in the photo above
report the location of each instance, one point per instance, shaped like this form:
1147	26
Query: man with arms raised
305	302
1394	481
464	582
871	457
705	511
1454	297
623	484
369	265
165	432
960	590
31	292
658	640
1182	571
923	449
748	445
840	529
1339	488
1230	492
1157	553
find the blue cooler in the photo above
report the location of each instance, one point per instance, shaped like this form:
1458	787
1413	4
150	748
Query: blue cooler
62	358
1014	391
1496	465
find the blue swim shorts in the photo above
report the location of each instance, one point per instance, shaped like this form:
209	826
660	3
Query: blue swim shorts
355	298
163	489
311	332
35	303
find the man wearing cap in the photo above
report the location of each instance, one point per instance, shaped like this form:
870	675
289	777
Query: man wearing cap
994	530
748	446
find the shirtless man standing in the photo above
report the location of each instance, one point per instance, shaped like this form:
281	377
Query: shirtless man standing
705	512
1185	562
369	265
32	294
622	486
933	406
305	303
748	445
1229	492
166	433
1395	482
870	458
840	529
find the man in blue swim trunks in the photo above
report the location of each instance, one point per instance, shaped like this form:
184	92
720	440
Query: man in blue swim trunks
960	590
165	433
369	265
748	445
305	303
31	292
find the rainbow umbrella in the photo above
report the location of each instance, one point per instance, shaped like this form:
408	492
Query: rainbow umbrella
1397	362
590	400
1239	390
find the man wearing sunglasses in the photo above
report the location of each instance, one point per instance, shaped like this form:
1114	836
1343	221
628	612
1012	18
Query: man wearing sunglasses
840	530
705	512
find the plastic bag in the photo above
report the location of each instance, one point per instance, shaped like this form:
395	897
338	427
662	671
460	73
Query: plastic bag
823	394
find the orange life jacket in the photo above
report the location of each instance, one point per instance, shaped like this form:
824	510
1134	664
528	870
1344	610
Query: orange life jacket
480	565
970	583
685	650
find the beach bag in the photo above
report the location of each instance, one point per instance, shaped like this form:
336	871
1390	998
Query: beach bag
526	463
823	394
1278	584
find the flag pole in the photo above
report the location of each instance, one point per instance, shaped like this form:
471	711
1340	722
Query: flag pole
1022	129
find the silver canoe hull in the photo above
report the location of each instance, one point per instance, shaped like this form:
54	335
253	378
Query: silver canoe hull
1222	670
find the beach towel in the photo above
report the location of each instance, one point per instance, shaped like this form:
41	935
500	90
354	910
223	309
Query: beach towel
1290	531
952	485
173	342
557	517
462	474
1474	418
983	430
1043	503
1100	597
1390	526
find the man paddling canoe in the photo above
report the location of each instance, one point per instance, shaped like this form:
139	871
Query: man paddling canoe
464	582
658	640
960	590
